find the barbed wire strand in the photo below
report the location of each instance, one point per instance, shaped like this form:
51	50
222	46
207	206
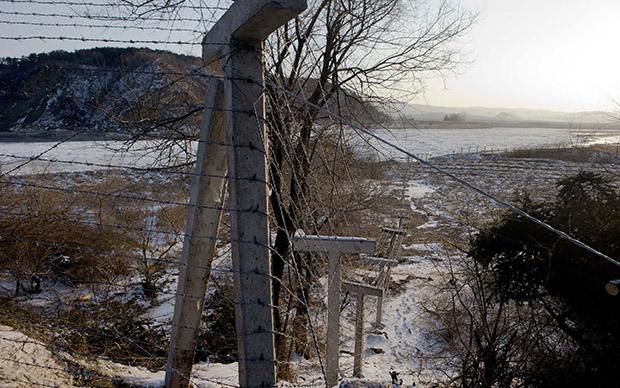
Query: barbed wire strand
106	17
108	5
101	26
463	182
103	40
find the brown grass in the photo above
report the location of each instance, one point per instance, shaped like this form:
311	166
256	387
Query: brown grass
595	153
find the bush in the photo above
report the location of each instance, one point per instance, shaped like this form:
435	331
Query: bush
114	328
43	235
559	324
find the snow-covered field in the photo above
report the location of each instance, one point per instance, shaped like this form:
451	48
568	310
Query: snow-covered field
441	207
53	157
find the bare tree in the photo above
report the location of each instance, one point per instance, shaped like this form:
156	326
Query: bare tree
354	58
341	56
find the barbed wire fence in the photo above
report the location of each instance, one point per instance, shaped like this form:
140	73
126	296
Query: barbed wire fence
89	257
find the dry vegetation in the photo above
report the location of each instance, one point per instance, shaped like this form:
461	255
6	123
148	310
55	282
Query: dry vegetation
87	255
83	262
600	153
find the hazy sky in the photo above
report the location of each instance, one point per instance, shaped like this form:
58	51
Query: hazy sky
551	54
548	54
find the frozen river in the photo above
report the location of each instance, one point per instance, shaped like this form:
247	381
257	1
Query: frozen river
72	156
437	142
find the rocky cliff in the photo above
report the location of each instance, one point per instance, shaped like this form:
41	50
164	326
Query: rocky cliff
100	90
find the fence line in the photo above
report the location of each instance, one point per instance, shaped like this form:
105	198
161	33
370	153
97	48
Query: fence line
300	270
463	182
108	5
108	17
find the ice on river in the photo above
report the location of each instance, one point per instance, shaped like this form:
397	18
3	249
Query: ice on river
90	155
53	157
438	142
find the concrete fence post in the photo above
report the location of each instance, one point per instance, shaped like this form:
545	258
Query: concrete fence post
235	44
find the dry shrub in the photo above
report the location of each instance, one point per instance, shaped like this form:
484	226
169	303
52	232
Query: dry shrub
482	338
112	328
115	329
98	240
43	235
157	234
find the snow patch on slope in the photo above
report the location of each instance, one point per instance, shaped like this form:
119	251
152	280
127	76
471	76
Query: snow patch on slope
27	362
206	375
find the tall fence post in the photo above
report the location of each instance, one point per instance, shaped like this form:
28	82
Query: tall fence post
206	201
332	349
250	222
236	41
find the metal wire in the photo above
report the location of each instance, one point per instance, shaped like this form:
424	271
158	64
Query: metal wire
101	26
102	40
108	5
455	178
106	17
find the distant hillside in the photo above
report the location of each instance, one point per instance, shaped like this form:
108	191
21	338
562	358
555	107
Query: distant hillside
505	115
101	90
117	90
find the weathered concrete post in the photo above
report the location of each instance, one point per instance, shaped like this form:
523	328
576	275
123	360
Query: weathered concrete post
359	335
250	224
379	313
206	201
396	236
334	247
239	35
332	348
360	290
235	43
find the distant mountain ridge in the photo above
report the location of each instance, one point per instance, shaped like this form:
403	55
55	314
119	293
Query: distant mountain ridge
483	114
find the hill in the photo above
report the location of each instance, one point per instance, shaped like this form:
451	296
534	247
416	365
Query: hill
114	90
501	116
96	90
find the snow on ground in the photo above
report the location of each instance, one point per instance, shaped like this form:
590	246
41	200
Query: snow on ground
404	339
430	224
204	375
25	362
428	247
418	189
404	320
